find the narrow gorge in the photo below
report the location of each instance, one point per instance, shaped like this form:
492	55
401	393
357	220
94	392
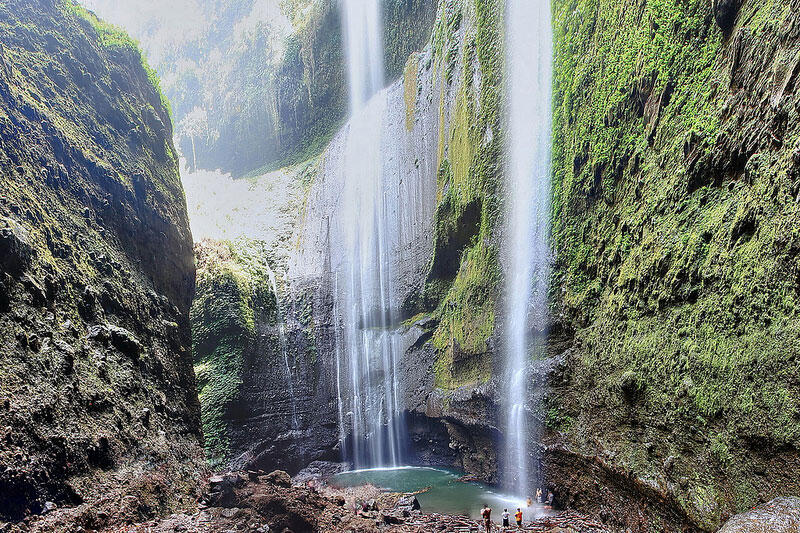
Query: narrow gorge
372	265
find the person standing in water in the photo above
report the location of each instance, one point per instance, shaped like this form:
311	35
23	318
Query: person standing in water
486	514
505	518
518	516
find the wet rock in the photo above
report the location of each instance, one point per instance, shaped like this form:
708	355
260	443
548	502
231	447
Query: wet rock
318	470
279	478
99	333
16	253
725	12
125	341
781	515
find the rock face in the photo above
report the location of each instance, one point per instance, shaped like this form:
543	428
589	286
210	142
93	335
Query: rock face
725	12
266	399
676	187
780	515
96	271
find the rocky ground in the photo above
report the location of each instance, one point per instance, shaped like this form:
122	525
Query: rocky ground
261	502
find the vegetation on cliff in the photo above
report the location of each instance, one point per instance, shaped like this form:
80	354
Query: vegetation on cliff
462	285
674	220
96	272
233	295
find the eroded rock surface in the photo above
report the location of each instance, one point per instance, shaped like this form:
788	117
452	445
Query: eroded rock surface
97	390
781	515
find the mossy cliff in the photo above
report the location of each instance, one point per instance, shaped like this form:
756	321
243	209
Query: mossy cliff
675	190
233	292
255	352
675	216
463	275
97	393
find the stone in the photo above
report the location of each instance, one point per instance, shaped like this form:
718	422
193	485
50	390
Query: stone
279	478
409	502
16	253
392	518
125	341
780	515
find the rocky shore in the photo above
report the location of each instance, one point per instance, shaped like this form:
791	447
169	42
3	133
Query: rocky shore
270	502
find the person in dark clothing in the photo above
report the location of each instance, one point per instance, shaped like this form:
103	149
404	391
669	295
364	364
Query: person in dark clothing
486	514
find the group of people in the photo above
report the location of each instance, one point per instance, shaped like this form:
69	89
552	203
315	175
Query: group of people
486	512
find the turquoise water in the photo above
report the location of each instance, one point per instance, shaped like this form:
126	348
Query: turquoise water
447	495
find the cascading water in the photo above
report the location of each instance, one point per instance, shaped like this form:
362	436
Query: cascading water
366	362
283	344
529	55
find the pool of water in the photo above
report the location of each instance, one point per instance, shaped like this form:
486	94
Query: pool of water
446	495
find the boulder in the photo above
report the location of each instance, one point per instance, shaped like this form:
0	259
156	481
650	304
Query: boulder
279	478
409	503
781	515
16	253
222	489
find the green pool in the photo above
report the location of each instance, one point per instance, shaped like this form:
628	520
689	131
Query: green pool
447	495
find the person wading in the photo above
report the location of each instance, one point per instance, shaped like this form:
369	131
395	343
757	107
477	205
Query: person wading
486	513
518	516
505	517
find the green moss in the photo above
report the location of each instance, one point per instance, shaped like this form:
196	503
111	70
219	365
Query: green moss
674	248
410	89
232	291
464	271
466	321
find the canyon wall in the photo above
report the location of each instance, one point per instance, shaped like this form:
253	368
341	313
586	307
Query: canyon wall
97	390
675	216
668	390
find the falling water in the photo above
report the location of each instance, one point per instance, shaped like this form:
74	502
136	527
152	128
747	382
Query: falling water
529	52
366	364
283	344
364	50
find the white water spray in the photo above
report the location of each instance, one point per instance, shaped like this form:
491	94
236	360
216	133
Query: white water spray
366	363
529	56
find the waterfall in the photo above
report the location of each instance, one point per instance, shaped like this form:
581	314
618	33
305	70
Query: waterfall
362	35
366	363
284	346
529	55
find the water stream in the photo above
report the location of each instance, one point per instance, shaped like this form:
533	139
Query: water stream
366	362
529	55
284	346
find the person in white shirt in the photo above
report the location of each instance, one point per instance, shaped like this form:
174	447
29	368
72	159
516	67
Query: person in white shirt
505	517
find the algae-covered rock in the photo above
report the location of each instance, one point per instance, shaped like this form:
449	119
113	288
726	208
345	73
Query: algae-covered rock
95	261
674	221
